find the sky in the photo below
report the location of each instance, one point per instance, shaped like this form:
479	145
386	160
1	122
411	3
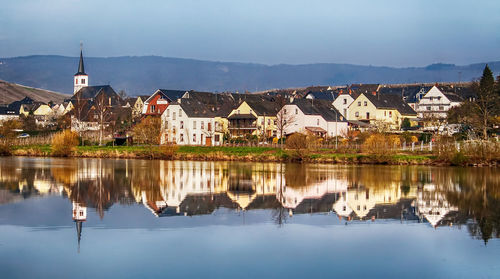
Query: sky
365	32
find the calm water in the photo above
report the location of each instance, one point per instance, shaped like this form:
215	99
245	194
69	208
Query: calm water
95	218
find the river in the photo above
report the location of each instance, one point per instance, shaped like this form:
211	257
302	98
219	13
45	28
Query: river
116	218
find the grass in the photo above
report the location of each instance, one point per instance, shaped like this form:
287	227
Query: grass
215	153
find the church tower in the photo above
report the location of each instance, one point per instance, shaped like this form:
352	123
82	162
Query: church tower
81	79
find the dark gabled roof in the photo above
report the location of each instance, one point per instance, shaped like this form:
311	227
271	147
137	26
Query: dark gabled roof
242	116
323	95
16	105
206	104
7	111
90	92
409	92
323	204
262	105
319	107
172	95
81	68
453	97
389	101
364	88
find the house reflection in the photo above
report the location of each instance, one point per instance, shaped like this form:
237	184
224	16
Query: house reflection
438	196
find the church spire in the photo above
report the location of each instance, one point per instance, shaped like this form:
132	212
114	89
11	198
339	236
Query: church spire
81	68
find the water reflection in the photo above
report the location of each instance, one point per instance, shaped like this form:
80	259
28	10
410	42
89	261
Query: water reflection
438	196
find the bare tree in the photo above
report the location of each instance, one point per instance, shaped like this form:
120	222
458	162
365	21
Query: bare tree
284	118
102	106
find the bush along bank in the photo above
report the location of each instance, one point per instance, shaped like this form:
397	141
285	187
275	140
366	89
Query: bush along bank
298	148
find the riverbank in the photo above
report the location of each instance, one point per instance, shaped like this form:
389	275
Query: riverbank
248	154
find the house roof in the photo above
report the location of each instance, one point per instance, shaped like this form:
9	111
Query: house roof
319	107
323	95
90	92
453	97
262	105
242	116
172	95
206	104
390	102
16	105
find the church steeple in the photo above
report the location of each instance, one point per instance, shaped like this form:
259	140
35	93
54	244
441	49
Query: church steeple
81	68
81	79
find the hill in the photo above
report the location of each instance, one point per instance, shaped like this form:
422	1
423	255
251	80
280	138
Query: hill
142	75
10	92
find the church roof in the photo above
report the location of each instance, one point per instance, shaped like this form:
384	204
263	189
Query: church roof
81	68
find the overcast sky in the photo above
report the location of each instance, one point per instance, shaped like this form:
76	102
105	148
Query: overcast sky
367	32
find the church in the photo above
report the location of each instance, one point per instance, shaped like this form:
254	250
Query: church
95	107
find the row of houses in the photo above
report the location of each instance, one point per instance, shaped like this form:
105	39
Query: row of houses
206	118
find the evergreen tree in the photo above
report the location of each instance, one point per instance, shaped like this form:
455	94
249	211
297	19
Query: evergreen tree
488	100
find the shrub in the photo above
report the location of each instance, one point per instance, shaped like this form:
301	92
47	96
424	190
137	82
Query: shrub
5	150
296	141
64	143
168	151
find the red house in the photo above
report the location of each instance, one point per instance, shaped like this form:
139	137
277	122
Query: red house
157	103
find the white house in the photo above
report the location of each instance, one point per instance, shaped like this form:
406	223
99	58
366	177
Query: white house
436	103
190	122
315	116
343	101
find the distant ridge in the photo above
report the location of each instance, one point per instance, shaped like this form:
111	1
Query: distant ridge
10	92
142	75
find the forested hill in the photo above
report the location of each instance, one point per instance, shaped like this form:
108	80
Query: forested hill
142	75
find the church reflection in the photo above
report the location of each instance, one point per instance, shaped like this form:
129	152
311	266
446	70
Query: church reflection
437	196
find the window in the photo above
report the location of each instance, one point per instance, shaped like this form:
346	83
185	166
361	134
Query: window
180	113
428	108
238	111
345	112
181	138
385	113
168	112
317	121
217	138
366	103
441	108
182	125
202	125
284	111
359	103
345	101
194	137
153	108
209	126
173	115
296	111
367	115
76	81
268	121
390	113
194	125
83	81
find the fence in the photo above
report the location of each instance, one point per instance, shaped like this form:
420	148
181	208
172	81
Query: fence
32	140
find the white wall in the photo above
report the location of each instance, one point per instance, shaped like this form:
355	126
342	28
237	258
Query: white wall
342	107
301	121
191	131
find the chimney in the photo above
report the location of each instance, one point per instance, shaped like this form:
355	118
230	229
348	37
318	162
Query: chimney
374	93
350	92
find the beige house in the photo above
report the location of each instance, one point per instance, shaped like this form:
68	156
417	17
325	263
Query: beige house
255	115
380	109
